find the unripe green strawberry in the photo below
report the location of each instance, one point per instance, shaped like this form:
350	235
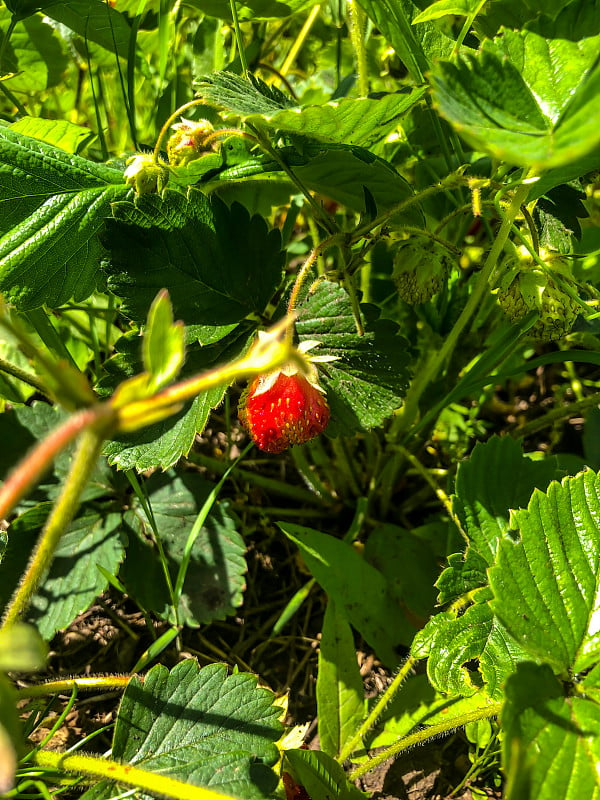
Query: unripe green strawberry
420	269
527	287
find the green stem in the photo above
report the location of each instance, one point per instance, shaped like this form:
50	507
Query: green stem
238	36
556	415
420	737
5	41
49	335
300	39
60	517
153	782
16	372
437	362
100	682
356	740
320	214
357	23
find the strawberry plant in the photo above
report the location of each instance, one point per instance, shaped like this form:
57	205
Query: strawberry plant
299	373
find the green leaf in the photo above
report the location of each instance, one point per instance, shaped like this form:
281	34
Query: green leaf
246	97
34	53
343	172
551	747
22	649
74	580
524	99
215	577
163	344
416	46
201	726
366	383
57	132
359	121
408	563
95	21
217	263
358	588
444	8
340	691
546	579
53	205
322	777
468	649
252	9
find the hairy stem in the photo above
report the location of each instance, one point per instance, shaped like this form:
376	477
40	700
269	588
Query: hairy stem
420	737
33	466
60	517
103	768
100	682
355	741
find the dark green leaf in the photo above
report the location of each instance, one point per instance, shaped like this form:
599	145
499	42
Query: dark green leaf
557	217
546	580
22	428
53	205
496	478
74	580
95	21
360	589
201	726
217	263
245	97
408	563
367	382
215	577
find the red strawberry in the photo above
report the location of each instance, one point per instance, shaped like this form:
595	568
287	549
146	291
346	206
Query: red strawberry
283	408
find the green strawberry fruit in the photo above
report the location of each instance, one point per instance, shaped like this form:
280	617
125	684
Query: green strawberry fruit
527	287
421	267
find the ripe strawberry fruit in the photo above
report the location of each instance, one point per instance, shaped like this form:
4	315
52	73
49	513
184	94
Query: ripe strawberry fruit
283	408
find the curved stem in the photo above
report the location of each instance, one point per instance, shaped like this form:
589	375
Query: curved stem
420	737
21	375
355	741
169	122
103	768
60	517
29	471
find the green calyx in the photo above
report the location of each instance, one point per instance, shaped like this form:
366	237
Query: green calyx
527	286
420	269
